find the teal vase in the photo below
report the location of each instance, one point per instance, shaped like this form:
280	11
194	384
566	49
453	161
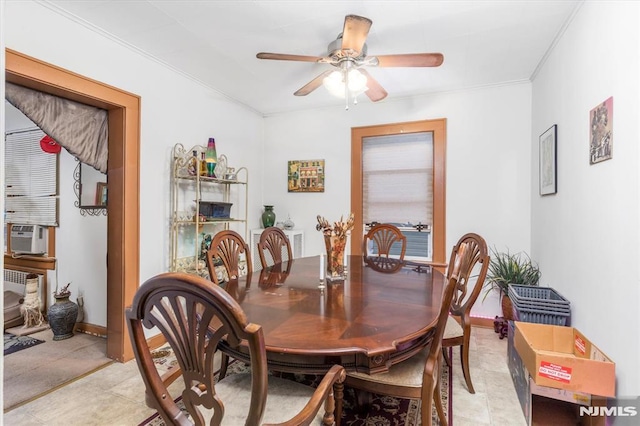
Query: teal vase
268	217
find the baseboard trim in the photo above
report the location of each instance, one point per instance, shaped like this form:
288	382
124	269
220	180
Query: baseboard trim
96	330
482	322
156	341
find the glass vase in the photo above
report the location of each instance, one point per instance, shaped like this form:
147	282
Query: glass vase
335	256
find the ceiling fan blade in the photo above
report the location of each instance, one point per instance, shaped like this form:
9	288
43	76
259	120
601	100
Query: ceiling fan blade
376	92
411	60
312	85
354	33
285	57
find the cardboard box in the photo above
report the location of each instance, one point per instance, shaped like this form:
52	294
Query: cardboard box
563	358
542	405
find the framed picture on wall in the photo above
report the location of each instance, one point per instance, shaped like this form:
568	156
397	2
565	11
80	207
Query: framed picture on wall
101	194
601	132
548	161
305	176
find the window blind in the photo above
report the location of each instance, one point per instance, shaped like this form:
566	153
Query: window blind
398	178
31	180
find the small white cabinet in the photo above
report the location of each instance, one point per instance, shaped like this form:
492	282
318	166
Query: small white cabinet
296	240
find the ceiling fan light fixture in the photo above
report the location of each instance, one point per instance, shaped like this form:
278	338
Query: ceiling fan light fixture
335	82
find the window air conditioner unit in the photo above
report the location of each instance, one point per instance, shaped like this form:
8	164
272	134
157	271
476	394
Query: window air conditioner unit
28	239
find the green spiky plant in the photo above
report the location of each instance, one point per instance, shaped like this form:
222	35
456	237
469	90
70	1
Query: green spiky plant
506	268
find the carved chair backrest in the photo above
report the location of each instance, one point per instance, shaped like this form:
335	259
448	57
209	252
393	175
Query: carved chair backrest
228	246
383	237
194	316
273	241
474	267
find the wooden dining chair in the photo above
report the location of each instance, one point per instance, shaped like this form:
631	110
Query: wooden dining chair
470	281
384	264
228	247
273	242
194	316
381	238
419	376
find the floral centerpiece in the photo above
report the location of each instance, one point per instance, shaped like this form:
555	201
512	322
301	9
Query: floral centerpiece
335	241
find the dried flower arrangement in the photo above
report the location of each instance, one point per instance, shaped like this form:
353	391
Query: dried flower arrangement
335	240
63	292
339	229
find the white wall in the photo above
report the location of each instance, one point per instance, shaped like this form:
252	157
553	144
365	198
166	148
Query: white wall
488	163
586	236
174	109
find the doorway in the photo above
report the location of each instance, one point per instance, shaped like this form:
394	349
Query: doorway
123	210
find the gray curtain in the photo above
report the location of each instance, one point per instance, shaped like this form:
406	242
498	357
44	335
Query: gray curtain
80	129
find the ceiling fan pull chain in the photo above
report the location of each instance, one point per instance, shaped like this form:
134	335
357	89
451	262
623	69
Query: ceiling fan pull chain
345	73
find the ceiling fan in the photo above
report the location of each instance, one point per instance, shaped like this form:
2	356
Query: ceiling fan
348	53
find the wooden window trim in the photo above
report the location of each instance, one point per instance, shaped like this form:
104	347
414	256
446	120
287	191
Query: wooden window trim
438	128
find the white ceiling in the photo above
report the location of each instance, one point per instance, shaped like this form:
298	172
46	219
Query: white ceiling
215	42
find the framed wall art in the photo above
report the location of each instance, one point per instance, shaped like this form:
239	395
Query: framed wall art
548	161
101	194
601	132
305	176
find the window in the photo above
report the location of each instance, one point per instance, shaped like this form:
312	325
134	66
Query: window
398	176
31	182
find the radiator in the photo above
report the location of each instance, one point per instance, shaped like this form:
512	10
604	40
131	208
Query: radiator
17	280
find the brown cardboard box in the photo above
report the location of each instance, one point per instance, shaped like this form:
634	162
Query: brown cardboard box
544	406
563	358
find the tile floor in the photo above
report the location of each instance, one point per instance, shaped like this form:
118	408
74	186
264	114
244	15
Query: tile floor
115	395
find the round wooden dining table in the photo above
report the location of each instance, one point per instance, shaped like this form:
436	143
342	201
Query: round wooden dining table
383	312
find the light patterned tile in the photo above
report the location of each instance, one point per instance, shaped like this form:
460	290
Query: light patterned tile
115	395
470	406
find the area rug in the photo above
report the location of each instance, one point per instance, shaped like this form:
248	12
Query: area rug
24	331
384	410
47	366
13	343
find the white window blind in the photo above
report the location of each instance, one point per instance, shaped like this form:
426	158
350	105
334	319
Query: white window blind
398	178
31	180
397	188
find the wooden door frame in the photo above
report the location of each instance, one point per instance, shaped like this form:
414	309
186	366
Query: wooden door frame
438	128
123	211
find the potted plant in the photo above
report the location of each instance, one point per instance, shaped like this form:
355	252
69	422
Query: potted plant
506	268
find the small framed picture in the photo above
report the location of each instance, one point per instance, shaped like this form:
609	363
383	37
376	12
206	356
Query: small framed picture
601	131
305	176
548	161
101	194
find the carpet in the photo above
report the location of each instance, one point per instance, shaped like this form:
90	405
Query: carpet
50	365
13	343
384	410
